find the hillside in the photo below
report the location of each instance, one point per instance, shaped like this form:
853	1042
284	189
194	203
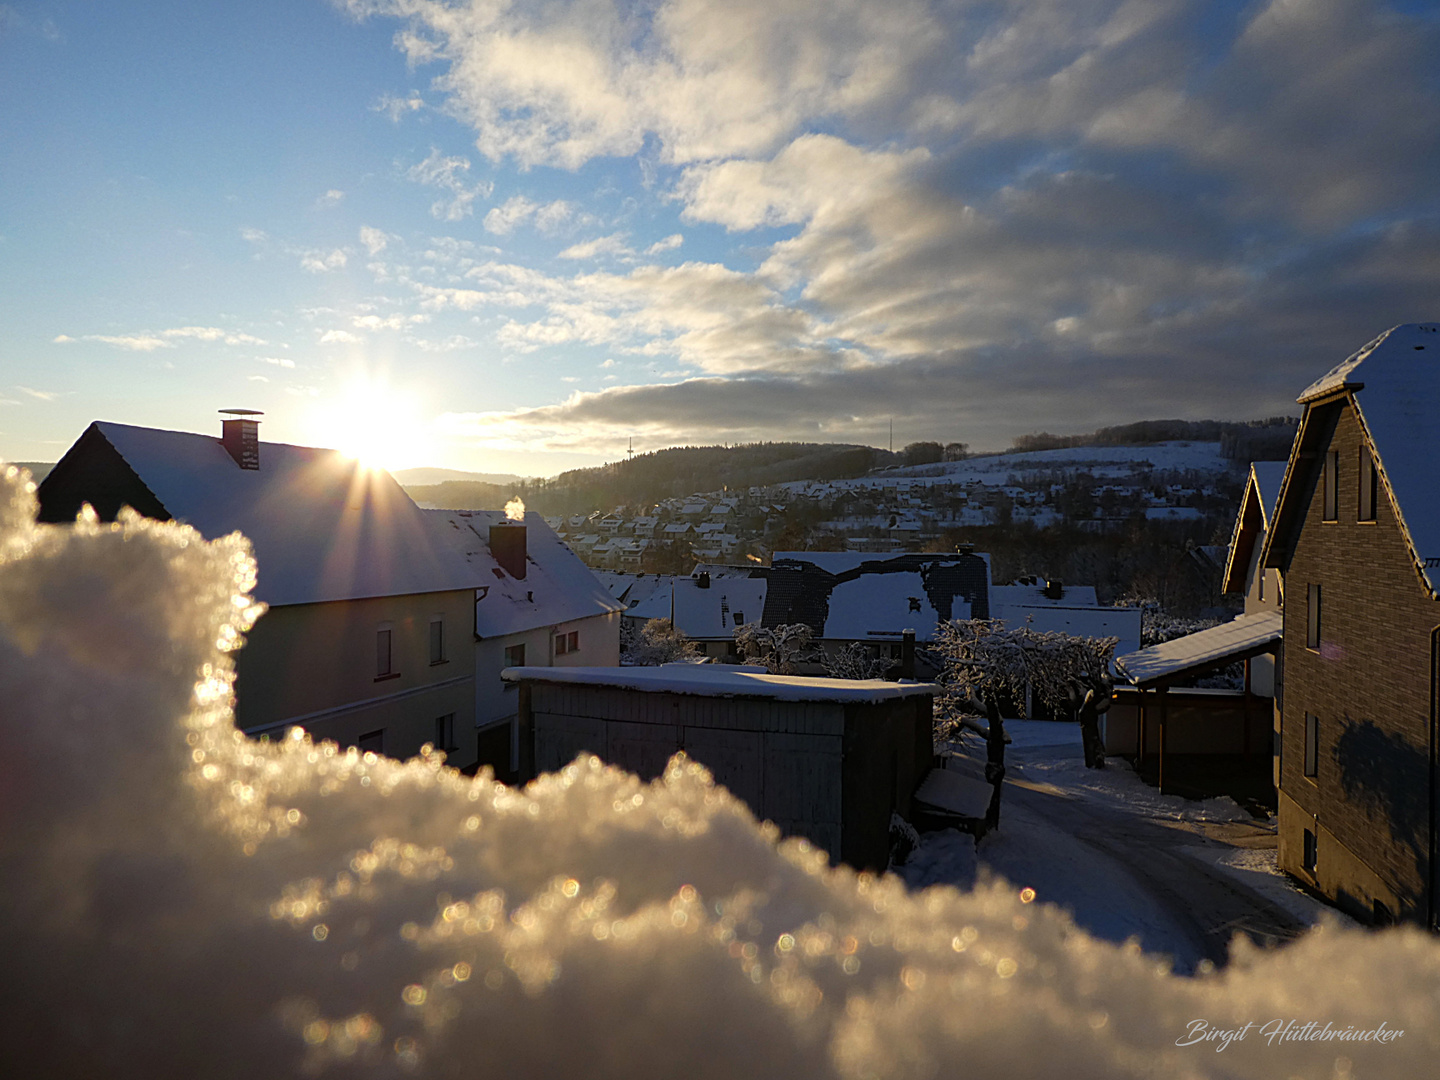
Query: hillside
650	478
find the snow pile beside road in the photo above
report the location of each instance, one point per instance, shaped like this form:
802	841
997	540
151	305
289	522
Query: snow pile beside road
177	900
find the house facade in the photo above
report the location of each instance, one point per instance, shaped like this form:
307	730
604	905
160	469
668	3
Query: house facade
1356	538
535	605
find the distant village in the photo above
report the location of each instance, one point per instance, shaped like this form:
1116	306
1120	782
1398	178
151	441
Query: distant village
911	509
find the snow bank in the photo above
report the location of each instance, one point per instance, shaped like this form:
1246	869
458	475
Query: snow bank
177	900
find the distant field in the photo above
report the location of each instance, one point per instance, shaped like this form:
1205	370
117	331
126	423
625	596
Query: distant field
38	469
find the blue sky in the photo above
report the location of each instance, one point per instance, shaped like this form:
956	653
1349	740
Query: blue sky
511	237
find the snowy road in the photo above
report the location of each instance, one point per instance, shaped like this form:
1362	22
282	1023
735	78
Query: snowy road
1181	877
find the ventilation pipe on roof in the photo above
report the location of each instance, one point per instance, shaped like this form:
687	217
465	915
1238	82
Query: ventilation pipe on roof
507	544
241	436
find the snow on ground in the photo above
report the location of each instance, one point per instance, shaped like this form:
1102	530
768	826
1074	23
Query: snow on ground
1055	809
177	900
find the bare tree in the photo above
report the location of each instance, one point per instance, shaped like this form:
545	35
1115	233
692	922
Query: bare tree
855	662
779	648
655	643
989	666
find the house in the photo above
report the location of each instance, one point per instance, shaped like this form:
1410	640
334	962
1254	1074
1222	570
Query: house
827	759
1356	539
368	636
539	605
1200	741
708	606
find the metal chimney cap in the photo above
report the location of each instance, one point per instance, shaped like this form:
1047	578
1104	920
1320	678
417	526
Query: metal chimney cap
242	412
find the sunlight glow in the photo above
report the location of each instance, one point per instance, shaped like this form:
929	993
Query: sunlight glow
374	423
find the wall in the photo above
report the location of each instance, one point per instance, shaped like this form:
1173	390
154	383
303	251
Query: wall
497	703
1196	722
1368	683
832	773
307	659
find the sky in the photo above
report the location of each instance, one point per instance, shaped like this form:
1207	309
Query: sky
523	237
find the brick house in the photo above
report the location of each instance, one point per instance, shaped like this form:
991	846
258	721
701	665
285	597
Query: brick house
1356	536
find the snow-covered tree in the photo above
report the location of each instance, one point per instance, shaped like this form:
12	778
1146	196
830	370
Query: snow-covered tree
779	648
855	662
655	643
988	665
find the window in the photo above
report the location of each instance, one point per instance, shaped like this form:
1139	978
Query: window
574	640
1331	484
384	654
1369	485
437	640
1310	856
515	656
445	732
1312	619
372	742
567	643
1312	745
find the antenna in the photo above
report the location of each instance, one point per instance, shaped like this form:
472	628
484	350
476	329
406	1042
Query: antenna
631	452
892	435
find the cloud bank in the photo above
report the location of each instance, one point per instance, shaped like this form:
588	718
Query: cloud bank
1035	214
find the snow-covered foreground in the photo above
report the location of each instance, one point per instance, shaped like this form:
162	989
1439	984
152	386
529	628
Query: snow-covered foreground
1125	860
178	901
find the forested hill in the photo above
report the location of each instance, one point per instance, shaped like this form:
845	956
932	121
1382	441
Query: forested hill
647	479
662	474
1255	440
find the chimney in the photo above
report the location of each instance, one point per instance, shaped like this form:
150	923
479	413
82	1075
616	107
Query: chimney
703	580
241	436
907	655
507	544
1054	590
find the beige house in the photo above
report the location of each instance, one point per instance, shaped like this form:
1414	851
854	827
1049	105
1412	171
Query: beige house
369	634
536	604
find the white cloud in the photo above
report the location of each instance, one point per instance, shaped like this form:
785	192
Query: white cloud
516	210
389	322
319	262
333	197
446	173
341	337
396	107
254	236
375	240
212	333
257	378
504	218
613	245
38	395
670	243
278	361
62	339
132	342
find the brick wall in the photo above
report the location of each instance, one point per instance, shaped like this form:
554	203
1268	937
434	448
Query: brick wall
1368	683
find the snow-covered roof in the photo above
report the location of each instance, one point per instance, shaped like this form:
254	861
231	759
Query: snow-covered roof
324	527
1395	383
1252	522
883	606
723	680
1267	475
557	586
1243	636
1092	621
710	613
1034	596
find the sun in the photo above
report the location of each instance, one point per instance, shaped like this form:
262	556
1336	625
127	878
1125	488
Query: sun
374	423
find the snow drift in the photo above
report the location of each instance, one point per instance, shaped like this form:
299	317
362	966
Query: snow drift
178	900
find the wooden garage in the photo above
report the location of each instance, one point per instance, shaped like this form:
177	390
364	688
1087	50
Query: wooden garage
826	759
